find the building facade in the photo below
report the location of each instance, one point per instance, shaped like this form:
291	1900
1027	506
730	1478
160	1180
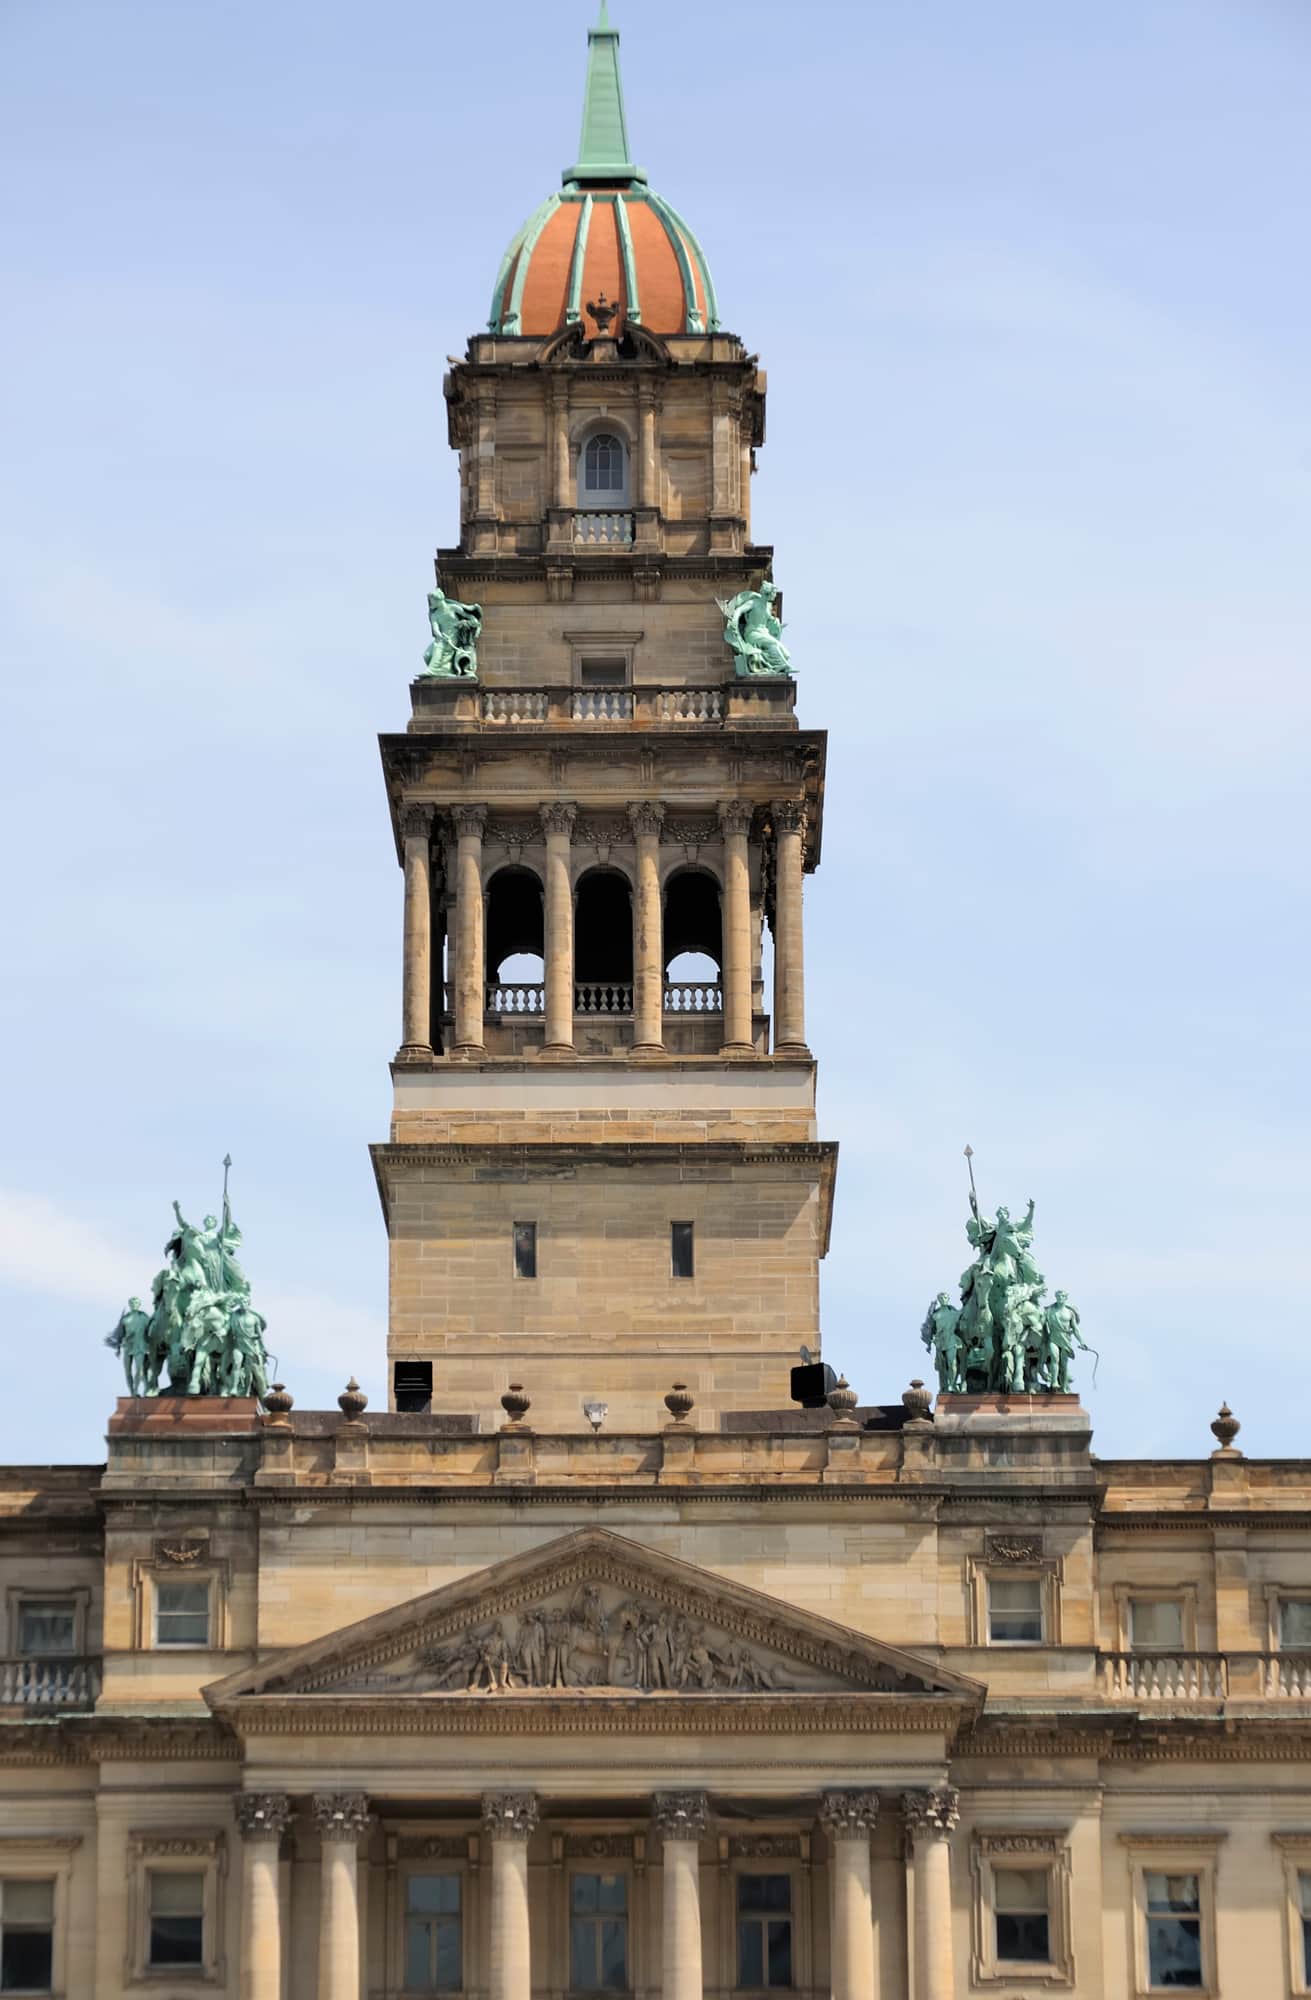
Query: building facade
595	1664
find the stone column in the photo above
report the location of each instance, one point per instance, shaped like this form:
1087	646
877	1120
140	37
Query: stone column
789	951
558	824
342	1819
416	1029
930	1820
848	1818
735	824
647	492
470	950
681	1818
648	934
509	1820
262	1819
562	485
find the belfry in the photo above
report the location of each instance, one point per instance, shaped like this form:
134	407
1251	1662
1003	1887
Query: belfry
605	1655
605	1174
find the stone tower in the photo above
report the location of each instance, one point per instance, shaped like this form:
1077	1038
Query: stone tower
603	1174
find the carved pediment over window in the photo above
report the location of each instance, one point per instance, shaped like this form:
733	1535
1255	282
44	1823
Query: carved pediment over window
592	1615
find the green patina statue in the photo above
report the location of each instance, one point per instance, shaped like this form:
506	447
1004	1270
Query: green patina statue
753	632
456	630
202	1326
1002	1340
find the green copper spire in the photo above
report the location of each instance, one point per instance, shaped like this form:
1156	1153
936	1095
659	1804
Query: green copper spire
603	148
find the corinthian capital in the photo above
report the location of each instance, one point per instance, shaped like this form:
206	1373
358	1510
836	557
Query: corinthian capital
646	816
848	1815
469	821
509	1815
789	815
933	1814
341	1815
416	820
559	817
735	816
680	1815
263	1815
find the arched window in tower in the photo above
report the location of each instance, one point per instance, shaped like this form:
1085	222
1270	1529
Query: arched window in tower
603	943
603	471
516	968
694	946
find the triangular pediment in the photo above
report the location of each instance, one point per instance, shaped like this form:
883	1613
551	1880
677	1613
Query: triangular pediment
594	1613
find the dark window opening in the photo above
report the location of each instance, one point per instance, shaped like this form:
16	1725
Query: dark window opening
525	1249
177	1920
764	1931
1174	1930
693	927
515	926
27	1936
412	1386
603	673
603	932
598	1933
434	1955
681	1251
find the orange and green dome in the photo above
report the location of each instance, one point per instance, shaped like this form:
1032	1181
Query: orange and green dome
606	251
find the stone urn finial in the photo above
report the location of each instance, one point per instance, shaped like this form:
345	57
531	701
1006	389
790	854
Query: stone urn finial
278	1405
842	1400
1226	1428
515	1404
918	1402
680	1402
352	1402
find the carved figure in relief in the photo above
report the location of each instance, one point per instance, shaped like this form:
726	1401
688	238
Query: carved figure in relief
530	1653
456	630
492	1663
754	633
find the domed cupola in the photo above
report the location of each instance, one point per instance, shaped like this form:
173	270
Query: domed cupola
606	252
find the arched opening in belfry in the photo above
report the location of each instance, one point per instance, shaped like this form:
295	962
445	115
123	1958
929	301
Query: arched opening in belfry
694	941
515	933
603	943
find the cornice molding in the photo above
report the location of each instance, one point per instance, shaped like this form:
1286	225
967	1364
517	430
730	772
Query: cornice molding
585	1714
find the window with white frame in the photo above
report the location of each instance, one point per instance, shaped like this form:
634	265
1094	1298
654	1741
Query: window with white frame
27	1935
764	1932
1015	1610
598	1933
47	1627
1173	1906
603	471
175	1918
182	1611
1156	1624
1022	1914
434	1935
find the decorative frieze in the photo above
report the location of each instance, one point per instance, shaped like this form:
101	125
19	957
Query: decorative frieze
599	1847
765	1847
848	1815
341	1815
434	1847
680	1815
181	1551
1014	1548
263	1815
509	1815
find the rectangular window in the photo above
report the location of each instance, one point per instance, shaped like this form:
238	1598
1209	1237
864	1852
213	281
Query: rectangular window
46	1627
1174	1931
1156	1625
598	1933
1015	1610
1021	1901
525	1249
680	1249
602	673
764	1931
1304	1917
182	1614
434	1955
176	1910
27	1936
1295	1624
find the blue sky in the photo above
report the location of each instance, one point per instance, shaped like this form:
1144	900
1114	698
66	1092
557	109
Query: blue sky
1032	286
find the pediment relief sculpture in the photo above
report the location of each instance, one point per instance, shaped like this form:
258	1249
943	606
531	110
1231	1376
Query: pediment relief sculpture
593	1614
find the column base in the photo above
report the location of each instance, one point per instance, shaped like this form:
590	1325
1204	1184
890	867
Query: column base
793	1049
469	1051
738	1049
414	1052
558	1049
648	1049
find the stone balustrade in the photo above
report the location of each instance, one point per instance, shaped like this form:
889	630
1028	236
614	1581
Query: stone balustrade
694	997
593	529
49	1683
1165	1676
516	999
540	707
606	998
